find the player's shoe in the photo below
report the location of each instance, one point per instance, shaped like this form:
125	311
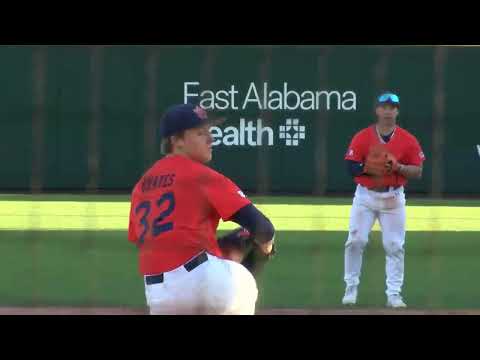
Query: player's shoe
350	297
395	301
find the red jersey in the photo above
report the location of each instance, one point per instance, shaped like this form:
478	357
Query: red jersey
403	145
175	210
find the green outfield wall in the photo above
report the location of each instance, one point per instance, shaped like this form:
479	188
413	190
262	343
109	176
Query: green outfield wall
84	117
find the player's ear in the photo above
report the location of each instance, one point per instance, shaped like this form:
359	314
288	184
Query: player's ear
177	140
173	141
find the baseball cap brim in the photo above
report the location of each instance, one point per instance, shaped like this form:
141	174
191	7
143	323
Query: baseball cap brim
215	120
389	102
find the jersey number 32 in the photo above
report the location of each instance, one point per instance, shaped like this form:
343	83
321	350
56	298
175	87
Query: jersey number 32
159	226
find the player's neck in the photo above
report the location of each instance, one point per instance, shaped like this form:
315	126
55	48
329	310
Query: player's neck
385	129
178	153
183	155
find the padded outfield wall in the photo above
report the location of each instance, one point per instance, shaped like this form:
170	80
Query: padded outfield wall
85	117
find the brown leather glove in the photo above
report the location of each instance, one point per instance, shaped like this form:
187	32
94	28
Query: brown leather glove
240	246
380	162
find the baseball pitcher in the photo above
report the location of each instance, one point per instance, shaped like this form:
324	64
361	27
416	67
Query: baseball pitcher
175	210
381	159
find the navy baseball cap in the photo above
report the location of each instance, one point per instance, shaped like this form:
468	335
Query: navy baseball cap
388	98
182	117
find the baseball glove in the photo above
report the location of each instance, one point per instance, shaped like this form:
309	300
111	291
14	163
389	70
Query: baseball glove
240	246
380	162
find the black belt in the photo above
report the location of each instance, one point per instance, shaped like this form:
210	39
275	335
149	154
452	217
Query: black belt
384	188
189	266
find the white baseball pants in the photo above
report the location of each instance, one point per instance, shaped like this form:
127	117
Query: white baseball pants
215	287
389	209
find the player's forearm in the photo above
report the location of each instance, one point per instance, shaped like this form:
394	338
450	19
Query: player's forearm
410	171
354	168
261	228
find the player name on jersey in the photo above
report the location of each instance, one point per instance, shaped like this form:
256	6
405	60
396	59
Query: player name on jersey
264	98
160	181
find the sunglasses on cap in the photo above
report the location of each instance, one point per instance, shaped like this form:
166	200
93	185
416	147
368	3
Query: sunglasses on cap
389	97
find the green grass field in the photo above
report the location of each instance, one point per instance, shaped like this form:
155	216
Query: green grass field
71	250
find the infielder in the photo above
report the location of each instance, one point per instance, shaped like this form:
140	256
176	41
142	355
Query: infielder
380	158
175	210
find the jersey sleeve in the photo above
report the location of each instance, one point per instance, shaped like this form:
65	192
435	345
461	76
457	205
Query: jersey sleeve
224	196
356	151
415	155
